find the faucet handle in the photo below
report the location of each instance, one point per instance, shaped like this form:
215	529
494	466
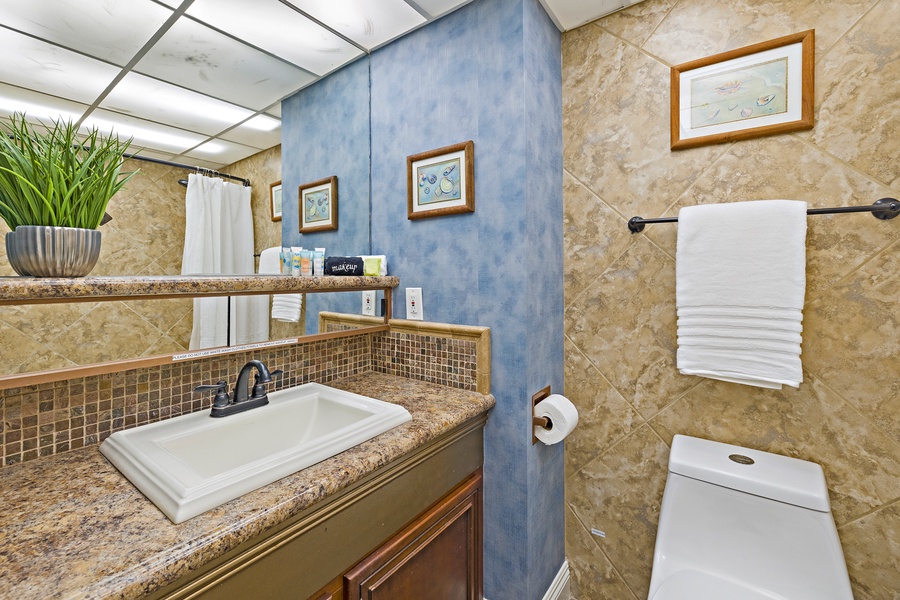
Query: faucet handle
221	390
259	387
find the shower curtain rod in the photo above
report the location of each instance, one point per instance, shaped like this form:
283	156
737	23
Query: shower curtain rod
168	163
884	209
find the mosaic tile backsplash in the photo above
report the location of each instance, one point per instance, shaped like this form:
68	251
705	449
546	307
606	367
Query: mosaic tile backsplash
56	417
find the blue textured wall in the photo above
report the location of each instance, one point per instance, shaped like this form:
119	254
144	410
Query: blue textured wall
490	72
325	132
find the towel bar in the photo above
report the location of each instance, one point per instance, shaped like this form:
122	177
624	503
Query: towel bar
884	209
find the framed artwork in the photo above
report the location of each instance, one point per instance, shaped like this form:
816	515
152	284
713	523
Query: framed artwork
319	205
275	200
441	182
763	89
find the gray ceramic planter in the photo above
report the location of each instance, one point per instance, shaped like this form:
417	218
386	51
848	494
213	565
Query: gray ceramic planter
41	251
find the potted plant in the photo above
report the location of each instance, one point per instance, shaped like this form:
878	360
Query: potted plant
54	188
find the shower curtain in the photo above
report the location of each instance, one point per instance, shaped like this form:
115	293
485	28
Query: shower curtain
218	239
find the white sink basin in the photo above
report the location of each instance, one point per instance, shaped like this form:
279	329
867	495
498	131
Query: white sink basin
192	463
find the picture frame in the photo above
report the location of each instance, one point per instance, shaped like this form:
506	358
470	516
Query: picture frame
319	205
441	182
275	200
758	90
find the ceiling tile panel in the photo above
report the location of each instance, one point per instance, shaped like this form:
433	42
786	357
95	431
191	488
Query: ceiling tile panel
369	24
196	57
36	106
249	135
149	98
220	152
276	28
33	64
145	133
438	8
112	30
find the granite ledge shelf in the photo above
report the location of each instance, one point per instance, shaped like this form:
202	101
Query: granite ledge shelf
44	290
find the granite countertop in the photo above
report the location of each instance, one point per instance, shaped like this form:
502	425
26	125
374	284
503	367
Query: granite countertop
71	526
25	290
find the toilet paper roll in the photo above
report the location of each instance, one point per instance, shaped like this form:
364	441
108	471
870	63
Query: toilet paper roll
562	414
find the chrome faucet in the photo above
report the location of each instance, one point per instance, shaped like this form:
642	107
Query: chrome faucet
223	405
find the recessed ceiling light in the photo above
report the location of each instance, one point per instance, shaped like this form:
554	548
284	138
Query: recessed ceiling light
141	135
262	123
35	111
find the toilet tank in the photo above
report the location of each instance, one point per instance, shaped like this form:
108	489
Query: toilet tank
757	523
772	476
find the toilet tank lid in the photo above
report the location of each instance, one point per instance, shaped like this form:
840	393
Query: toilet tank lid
768	475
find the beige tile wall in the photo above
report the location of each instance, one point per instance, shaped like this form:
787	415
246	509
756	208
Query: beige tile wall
620	295
145	237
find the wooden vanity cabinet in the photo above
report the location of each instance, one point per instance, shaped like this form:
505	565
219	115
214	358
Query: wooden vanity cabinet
410	530
437	556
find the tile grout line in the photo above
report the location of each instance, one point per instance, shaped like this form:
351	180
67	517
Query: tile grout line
600	549
871	512
847	32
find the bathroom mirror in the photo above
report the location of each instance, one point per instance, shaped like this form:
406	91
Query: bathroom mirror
146	237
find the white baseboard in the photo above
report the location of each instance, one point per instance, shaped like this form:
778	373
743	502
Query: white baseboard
559	588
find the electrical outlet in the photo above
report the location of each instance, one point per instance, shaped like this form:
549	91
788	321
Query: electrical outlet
414	309
368	303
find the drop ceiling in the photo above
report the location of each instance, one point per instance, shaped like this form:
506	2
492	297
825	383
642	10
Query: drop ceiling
198	82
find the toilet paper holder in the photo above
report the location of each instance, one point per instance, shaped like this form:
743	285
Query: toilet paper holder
537	421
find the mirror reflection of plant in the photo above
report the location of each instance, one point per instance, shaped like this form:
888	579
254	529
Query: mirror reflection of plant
54	177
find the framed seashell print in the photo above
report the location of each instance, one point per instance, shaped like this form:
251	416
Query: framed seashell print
319	205
441	181
275	200
758	90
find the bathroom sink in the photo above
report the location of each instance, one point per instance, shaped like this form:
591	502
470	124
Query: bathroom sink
193	463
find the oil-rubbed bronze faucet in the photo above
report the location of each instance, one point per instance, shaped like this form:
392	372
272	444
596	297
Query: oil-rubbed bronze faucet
223	405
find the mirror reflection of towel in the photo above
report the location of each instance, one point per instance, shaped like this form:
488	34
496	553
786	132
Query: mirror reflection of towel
740	286
285	307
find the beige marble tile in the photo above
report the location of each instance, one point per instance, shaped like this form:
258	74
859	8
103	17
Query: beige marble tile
154	219
108	332
851	339
783	167
872	551
621	150
625	324
44	322
45	360
635	23
593	64
593	236
861	463
163	314
180	333
15	348
165	345
592	575
604	417
620	494
119	255
702	28
858	99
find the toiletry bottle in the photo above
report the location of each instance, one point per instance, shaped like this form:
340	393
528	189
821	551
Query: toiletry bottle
319	262
295	260
306	263
287	257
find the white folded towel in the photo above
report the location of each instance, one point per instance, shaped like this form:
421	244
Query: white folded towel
383	258
740	286
285	307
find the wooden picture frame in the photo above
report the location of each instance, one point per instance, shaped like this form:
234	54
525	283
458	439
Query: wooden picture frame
441	182
319	205
758	90
275	200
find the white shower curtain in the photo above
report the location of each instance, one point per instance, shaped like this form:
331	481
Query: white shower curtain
218	240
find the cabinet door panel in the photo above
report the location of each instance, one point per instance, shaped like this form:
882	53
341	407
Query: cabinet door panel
437	556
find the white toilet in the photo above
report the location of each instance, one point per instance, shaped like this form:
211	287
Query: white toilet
740	524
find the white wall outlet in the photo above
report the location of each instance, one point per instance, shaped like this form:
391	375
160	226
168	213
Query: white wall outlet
368	303
414	310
